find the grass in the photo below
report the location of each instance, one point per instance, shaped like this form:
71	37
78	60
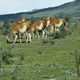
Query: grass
42	61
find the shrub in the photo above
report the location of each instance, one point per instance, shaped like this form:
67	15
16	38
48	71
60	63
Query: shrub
5	56
6	28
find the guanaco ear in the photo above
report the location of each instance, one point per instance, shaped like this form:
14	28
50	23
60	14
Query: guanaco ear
45	19
17	20
26	19
65	23
52	19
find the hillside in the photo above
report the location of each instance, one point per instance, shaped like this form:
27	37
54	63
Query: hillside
69	9
50	59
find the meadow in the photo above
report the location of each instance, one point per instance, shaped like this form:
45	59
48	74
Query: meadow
53	59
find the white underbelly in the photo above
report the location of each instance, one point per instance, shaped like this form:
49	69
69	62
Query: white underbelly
41	26
57	26
22	30
48	23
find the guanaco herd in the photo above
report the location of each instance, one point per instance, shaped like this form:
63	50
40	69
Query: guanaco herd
47	25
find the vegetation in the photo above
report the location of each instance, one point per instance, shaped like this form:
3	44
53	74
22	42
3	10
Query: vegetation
53	59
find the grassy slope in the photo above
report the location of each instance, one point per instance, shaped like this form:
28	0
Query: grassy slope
55	61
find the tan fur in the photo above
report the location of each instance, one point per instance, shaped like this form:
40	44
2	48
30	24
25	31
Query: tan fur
59	22
49	27
20	27
47	24
36	25
54	22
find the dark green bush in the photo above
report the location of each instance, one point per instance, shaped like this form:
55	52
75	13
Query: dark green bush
6	28
5	56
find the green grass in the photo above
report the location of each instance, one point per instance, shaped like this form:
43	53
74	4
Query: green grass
43	61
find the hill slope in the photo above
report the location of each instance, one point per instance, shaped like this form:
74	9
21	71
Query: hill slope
69	9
